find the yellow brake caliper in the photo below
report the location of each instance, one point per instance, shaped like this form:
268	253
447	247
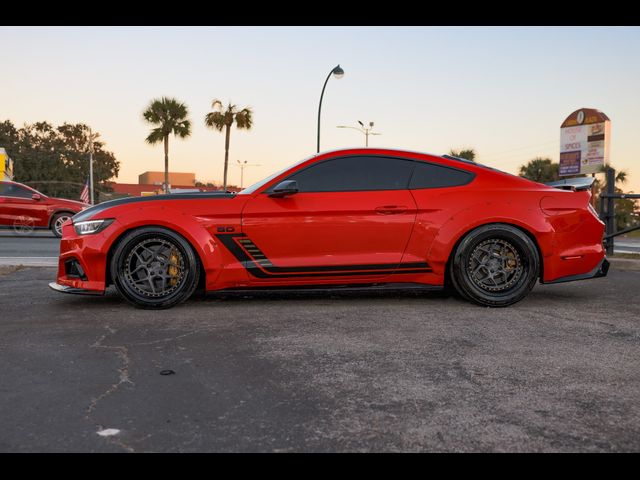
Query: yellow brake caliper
173	267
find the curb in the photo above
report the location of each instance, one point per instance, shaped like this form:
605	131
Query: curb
29	261
625	264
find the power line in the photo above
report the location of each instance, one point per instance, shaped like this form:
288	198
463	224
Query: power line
527	147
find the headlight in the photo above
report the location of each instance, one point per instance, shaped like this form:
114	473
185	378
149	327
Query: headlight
92	226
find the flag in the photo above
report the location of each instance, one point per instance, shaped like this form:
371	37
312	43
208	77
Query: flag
84	196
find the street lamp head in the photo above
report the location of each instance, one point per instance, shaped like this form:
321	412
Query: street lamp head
361	123
338	72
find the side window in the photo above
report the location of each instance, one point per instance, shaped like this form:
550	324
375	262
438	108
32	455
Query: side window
357	173
428	175
12	190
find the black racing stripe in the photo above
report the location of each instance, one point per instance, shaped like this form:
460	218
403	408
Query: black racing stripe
250	248
235	249
269	271
91	211
338	274
345	268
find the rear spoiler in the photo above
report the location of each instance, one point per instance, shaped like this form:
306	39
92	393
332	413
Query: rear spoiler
573	184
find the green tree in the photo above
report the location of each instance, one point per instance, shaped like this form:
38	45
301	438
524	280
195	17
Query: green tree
540	170
467	154
170	117
9	137
621	175
626	209
55	160
222	119
73	146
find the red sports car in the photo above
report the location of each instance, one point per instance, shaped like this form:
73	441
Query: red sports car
25	209
348	218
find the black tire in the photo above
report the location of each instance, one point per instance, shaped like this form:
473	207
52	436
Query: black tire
154	268
57	220
495	265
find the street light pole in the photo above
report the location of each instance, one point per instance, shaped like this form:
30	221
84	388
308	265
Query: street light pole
366	130
338	73
242	165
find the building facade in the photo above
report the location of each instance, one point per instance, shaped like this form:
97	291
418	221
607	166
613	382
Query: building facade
175	178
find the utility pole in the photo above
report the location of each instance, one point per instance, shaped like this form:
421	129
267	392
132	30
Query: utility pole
242	166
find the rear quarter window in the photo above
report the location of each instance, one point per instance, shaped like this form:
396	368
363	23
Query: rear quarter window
429	175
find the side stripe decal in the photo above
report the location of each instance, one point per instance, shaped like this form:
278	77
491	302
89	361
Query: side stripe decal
257	263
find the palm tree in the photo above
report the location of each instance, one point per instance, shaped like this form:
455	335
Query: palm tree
621	175
467	154
170	116
625	208
540	170
222	118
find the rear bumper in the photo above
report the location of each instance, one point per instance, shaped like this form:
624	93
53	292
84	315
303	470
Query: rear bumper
601	270
76	291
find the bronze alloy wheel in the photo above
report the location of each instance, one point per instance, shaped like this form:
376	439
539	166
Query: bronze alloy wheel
154	267
495	265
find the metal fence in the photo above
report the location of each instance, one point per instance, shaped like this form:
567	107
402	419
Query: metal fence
608	213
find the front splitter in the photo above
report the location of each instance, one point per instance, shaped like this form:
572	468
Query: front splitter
72	290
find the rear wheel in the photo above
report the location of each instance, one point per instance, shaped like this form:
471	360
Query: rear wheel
154	268
57	221
495	265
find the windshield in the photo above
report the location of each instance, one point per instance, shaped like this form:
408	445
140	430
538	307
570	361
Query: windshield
264	181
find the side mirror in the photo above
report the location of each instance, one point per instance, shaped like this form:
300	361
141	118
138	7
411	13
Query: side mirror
36	196
288	187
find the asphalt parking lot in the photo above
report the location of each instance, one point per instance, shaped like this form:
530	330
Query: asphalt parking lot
313	372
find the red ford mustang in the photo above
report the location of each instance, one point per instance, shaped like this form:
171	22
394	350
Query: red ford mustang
348	218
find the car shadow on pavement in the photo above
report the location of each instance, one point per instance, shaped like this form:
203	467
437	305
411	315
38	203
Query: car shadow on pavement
112	298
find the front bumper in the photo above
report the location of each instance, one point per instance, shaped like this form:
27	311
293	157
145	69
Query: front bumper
601	270
83	259
76	291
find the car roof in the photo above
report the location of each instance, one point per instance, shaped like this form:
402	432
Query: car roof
400	152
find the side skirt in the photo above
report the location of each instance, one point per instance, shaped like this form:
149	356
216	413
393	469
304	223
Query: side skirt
389	287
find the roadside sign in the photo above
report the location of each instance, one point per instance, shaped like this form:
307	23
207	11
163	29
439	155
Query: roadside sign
584	142
6	165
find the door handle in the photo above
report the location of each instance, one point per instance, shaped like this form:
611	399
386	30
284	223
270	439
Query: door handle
391	209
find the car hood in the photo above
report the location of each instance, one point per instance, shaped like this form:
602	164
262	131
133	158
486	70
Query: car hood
71	203
101	207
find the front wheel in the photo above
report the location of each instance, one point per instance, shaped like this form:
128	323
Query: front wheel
57	221
154	268
495	265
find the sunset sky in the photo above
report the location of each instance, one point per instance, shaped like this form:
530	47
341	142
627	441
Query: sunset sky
502	91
